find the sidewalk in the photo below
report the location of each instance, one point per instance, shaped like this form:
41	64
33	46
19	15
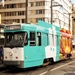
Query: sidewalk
73	53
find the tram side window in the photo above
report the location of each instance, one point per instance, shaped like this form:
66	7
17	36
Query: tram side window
32	39
38	38
44	39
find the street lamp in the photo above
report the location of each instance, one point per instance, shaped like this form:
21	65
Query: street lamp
52	10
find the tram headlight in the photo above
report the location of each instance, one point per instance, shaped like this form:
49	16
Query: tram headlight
10	53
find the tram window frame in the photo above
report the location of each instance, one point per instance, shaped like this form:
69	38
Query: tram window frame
32	40
53	39
26	39
38	38
57	40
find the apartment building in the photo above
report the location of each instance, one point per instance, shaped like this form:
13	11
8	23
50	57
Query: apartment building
64	14
2	34
15	11
73	22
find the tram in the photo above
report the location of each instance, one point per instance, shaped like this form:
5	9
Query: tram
29	45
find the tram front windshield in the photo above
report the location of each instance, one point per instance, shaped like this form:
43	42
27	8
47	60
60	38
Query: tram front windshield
15	39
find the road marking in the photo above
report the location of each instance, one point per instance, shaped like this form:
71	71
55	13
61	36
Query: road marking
43	73
56	68
62	65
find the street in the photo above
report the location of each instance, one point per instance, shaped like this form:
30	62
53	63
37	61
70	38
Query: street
65	67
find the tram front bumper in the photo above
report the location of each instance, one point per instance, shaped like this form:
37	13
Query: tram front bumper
14	63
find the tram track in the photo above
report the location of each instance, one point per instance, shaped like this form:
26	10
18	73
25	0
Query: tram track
57	65
41	70
3	70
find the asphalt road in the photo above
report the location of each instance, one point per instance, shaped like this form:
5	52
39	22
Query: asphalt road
65	67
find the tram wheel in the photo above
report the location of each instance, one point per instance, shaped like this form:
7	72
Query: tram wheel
69	56
46	62
51	60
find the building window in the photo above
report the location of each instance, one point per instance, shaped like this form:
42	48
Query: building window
40	3
20	5
21	13
6	6
13	5
43	19
40	11
31	4
23	21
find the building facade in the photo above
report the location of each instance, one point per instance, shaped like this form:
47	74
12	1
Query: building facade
15	11
2	34
63	15
73	22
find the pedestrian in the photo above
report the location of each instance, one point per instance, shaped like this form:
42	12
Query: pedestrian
1	54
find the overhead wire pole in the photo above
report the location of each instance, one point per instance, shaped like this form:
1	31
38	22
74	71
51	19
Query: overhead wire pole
52	10
26	11
69	21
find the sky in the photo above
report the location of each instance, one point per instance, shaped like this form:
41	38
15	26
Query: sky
73	1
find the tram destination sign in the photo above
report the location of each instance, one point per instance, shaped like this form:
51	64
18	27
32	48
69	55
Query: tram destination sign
13	27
